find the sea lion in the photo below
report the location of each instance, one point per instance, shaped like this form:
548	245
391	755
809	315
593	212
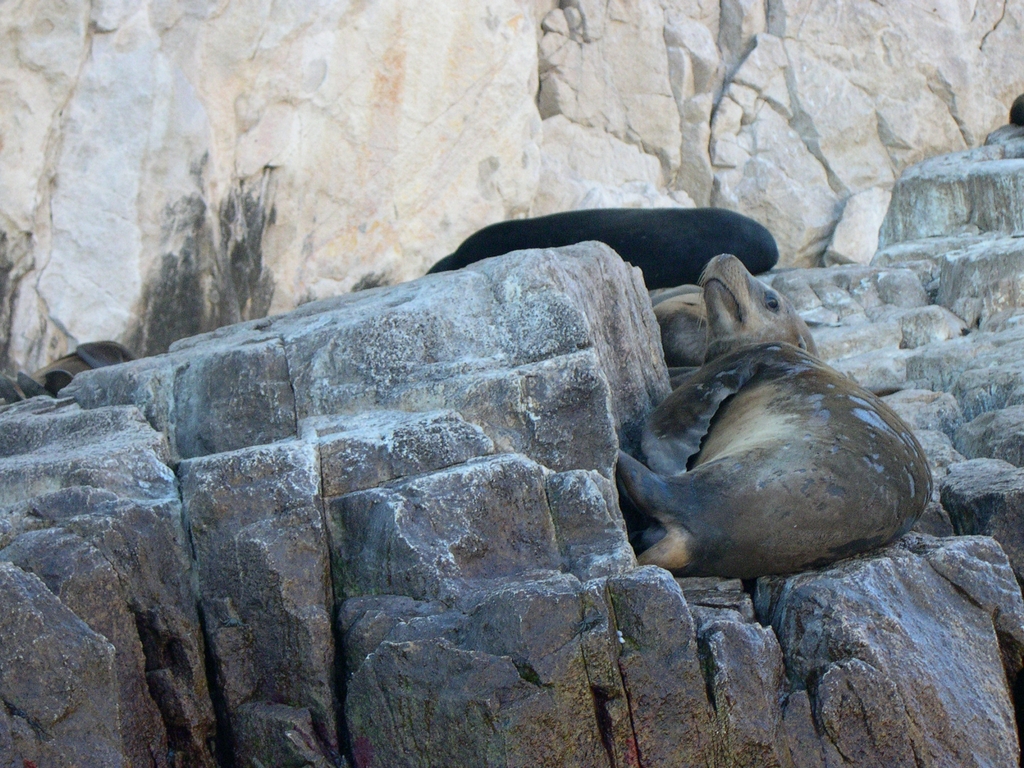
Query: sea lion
51	379
768	461
744	311
669	245
1017	111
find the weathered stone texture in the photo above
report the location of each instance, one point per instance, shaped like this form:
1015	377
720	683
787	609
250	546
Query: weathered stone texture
256	524
861	636
167	170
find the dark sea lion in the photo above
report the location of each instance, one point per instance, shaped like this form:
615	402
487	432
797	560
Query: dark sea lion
1017	111
768	461
669	245
743	311
51	379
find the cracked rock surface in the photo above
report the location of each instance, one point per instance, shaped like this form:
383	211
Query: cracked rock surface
382	530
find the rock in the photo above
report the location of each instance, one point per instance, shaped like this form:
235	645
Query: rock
660	668
435	536
983	371
984	284
105	534
267	623
593	77
51	445
86	583
503	681
763	168
968	192
924	409
57	679
589	168
855	239
877	696
209	208
516	345
986	496
994	435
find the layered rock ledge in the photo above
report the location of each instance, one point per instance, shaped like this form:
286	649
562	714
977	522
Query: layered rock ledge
382	530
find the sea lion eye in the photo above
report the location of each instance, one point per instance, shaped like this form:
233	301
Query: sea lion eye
772	302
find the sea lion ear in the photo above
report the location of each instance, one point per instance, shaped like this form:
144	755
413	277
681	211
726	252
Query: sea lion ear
802	343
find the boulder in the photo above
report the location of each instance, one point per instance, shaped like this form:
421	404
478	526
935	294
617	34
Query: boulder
516	345
994	435
861	638
986	496
92	510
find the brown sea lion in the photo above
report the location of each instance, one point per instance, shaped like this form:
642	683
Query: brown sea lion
768	461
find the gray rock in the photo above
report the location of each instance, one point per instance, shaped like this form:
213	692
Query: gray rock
503	683
260	550
54	444
994	435
984	371
120	563
366	450
57	681
862	638
925	409
986	496
984	283
516	345
673	722
217	392
849	291
589	528
86	583
964	192
435	535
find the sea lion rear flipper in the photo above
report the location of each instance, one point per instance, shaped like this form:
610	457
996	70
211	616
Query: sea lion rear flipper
652	494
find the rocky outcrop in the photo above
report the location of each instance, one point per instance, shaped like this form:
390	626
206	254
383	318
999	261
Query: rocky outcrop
166	170
383	530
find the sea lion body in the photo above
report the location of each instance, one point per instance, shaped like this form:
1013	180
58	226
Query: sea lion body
669	245
768	461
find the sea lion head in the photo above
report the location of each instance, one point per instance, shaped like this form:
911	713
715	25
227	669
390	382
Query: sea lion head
742	310
1017	111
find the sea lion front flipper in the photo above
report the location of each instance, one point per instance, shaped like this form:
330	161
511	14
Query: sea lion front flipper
30	386
8	392
676	428
655	497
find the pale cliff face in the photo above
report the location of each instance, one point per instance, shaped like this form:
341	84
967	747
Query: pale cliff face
168	167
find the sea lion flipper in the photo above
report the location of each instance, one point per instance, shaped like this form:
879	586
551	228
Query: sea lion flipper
653	494
674	433
8	392
56	380
30	386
